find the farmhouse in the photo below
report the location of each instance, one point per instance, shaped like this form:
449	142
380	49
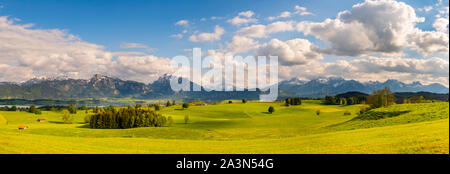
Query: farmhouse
41	120
201	104
22	127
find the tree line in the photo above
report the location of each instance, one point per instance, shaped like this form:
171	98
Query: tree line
293	101
124	118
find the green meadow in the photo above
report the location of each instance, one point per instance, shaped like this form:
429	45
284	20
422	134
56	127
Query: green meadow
242	128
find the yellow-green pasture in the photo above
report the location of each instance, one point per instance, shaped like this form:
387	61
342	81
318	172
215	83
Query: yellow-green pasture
240	128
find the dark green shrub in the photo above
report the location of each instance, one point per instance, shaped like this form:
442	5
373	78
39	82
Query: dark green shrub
157	107
87	118
125	118
38	112
271	109
186	119
170	121
72	109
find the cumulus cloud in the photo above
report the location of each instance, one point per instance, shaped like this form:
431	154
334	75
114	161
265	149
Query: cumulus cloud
428	42
433	70
302	11
137	68
371	27
182	23
33	52
208	37
15	73
441	25
291	52
262	31
243	18
241	44
284	14
137	45
426	8
179	36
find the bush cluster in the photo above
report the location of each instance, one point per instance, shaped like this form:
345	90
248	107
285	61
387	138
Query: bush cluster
125	118
293	101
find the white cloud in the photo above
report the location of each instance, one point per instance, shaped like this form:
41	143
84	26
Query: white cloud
216	18
241	44
284	14
137	45
261	31
428	42
33	52
182	23
15	73
139	68
441	25
208	37
291	52
372	27
302	11
426	8
247	14
179	36
243	18
434	70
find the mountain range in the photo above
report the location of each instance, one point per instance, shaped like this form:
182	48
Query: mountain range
331	86
100	86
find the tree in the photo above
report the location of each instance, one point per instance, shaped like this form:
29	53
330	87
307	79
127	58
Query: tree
244	100
87	118
381	98
157	107
185	105
95	110
125	118
67	117
229	102
168	104
330	100
38	112
271	109
72	109
186	119
174	103
13	108
32	109
170	121
293	101
318	112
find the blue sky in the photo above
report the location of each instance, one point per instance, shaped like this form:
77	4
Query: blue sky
112	23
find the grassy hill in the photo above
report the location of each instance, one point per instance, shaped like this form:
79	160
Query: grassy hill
243	128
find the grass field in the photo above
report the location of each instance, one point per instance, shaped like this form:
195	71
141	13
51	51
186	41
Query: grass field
242	128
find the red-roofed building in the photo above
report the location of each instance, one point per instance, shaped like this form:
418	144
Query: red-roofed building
201	104
21	127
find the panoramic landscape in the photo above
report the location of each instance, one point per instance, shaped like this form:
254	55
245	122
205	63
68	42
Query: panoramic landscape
357	77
